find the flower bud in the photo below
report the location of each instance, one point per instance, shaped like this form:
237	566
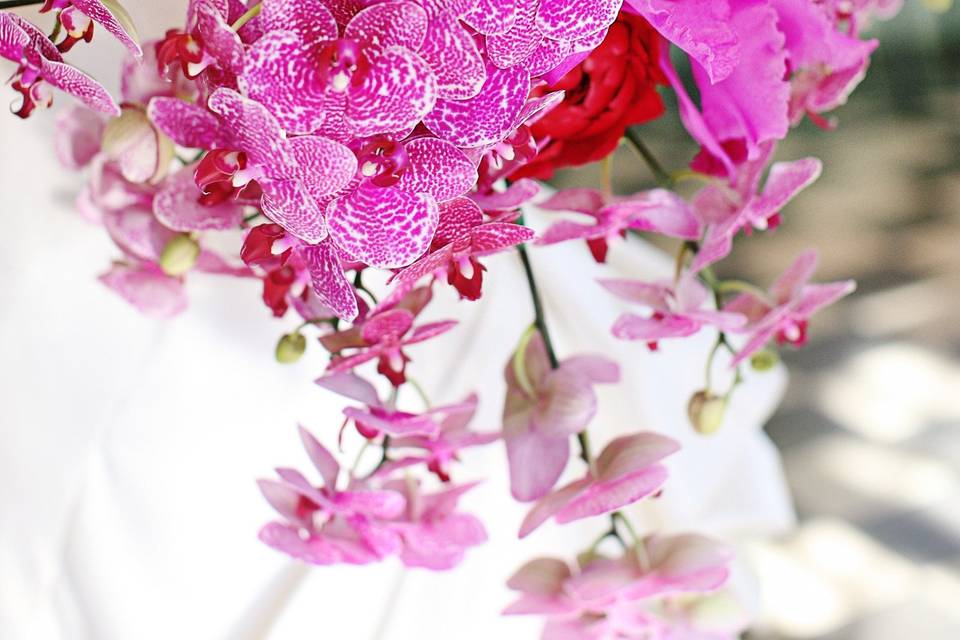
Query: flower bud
764	360
291	348
179	255
706	412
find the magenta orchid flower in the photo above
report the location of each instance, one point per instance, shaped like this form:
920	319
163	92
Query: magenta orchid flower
657	211
41	64
729	206
433	535
677	310
609	597
627	470
783	314
368	82
544	407
462	238
325	525
78	16
383	335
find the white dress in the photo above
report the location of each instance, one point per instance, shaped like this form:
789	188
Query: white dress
129	447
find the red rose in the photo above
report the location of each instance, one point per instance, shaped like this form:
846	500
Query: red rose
614	88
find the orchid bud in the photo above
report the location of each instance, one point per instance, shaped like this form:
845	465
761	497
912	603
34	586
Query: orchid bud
179	255
139	149
706	412
291	347
764	360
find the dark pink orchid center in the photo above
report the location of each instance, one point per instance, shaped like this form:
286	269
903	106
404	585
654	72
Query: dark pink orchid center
341	64
34	94
183	48
217	175
793	333
382	161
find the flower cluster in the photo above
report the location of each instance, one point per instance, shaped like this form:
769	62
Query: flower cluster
327	139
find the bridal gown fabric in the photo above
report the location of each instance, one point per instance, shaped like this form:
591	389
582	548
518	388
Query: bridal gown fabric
129	447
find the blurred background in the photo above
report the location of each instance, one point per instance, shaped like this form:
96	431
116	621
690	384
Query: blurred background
870	427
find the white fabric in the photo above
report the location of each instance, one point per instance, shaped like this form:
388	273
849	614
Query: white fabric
128	447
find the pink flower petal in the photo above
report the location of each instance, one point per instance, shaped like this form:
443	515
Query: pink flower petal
452	54
112	17
351	386
78	135
633	327
605	497
324	166
251	128
329	283
177	206
219	39
492	17
311	20
573	19
397	425
72	81
152	292
187	124
289	204
438	168
396	93
384	228
536	461
486	118
548	507
402	24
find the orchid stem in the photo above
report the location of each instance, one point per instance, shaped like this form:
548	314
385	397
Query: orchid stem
540	322
420	392
660	174
249	15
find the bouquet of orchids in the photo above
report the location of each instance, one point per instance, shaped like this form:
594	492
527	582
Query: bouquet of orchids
339	137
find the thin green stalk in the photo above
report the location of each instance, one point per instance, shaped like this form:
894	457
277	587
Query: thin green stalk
663	178
250	14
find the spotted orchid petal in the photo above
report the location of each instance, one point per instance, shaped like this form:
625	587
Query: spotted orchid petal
492	17
384	228
251	129
221	41
438	168
111	15
74	82
402	24
452	54
177	206
486	118
187	124
573	19
395	94
311	20
520	41
329	283
290	205
323	166
281	72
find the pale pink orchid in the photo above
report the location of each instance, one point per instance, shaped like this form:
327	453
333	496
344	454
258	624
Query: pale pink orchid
78	16
609	598
383	335
543	408
325	525
378	417
748	201
433	534
677	310
783	314
627	470
41	64
656	211
462	238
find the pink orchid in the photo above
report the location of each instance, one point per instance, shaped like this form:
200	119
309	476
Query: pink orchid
610	597
383	335
828	61
380	417
677	310
324	525
627	470
543	408
783	314
453	435
434	536
40	62
78	16
368	82
462	238
656	211
728	206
